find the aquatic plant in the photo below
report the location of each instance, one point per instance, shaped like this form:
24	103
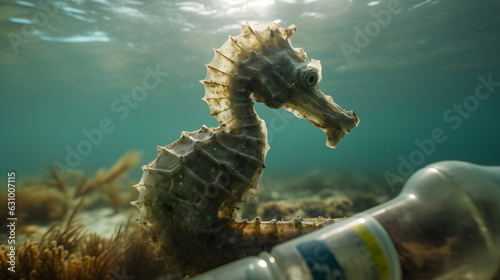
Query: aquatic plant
103	177
190	194
43	201
65	233
65	252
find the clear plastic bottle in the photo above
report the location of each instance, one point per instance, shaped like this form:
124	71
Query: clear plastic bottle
445	224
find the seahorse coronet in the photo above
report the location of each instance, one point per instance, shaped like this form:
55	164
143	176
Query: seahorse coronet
190	194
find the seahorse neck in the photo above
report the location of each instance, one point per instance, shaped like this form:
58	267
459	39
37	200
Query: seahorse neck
231	104
241	116
229	97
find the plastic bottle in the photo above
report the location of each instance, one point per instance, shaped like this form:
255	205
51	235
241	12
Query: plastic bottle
445	224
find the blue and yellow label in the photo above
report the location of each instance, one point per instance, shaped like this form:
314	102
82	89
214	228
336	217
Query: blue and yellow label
375	250
353	252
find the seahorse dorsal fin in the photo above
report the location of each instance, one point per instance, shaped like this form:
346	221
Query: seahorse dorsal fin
222	71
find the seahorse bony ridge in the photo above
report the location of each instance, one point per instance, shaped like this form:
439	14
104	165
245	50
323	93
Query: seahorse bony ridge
190	193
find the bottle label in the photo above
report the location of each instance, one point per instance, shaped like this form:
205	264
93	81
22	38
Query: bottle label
320	260
351	252
375	250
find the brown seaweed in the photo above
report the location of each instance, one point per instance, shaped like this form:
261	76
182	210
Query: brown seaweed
65	252
103	177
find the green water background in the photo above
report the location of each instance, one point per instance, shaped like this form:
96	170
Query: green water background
65	66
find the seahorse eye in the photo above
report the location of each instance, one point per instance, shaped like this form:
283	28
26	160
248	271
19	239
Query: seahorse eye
308	77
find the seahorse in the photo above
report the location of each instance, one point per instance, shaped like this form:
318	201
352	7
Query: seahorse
189	194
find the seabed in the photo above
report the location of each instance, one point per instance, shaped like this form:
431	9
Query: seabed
73	226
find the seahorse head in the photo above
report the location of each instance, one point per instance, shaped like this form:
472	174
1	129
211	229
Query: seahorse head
262	61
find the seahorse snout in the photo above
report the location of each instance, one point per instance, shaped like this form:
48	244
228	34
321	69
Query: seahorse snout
319	109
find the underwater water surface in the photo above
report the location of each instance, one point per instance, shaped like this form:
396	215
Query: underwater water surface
423	76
